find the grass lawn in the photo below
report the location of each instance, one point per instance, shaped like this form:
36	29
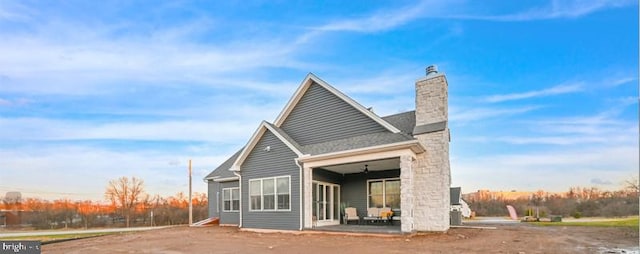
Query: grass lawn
623	222
54	237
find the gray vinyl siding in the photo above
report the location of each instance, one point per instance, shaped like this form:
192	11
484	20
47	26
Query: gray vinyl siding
228	217
354	188
212	195
278	161
321	116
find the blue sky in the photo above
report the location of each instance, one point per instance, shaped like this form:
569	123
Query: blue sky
542	94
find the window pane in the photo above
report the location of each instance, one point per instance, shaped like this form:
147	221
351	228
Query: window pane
283	185
254	187
315	199
267	187
392	186
375	188
269	202
327	206
235	205
255	203
375	194
283	201
392	193
226	198
235	194
393	201
375	201
225	194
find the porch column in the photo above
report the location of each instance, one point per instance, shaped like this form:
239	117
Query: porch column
406	193
307	189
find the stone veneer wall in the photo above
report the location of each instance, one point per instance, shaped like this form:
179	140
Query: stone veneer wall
431	99
406	193
431	171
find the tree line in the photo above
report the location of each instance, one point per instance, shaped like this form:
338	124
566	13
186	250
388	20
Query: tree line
128	205
576	202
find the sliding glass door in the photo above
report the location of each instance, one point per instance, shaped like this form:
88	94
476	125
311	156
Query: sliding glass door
326	203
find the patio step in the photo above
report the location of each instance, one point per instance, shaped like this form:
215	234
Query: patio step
207	222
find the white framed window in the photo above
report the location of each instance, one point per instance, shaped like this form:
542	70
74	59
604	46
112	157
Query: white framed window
270	194
383	193
231	199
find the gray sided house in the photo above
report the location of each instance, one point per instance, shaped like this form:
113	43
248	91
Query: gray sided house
325	152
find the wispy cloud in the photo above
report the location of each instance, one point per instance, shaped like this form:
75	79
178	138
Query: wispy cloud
164	130
66	56
14	12
600	181
14	102
602	128
460	115
557	9
383	20
620	81
559	140
556	90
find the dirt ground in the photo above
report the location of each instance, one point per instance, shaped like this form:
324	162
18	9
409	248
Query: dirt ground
517	238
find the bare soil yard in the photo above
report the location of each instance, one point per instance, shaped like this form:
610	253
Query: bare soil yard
516	238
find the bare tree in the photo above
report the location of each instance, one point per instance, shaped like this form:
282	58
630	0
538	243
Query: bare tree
13	200
125	193
632	184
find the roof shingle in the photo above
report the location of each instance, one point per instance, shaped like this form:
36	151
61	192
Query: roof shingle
223	171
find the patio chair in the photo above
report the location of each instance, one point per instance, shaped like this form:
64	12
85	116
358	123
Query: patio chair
350	213
373	212
373	215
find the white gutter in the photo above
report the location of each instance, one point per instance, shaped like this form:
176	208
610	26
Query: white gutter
226	179
414	145
211	178
239	190
300	195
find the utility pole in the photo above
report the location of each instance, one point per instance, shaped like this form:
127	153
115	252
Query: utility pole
190	199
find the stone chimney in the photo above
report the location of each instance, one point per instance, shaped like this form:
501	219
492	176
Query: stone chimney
432	175
431	98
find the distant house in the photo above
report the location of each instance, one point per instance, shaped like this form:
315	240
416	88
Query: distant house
326	151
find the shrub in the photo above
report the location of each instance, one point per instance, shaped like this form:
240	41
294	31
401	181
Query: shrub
577	215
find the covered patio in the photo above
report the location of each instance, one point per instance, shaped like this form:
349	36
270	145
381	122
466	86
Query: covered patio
366	180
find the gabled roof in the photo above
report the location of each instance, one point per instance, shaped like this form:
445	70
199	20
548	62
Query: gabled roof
400	127
311	79
223	171
265	126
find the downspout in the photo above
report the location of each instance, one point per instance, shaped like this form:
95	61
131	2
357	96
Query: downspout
239	190
301	195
